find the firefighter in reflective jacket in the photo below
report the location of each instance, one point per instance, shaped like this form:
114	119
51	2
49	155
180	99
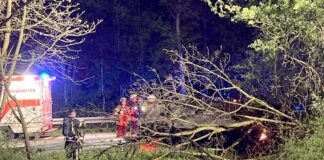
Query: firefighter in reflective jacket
72	130
135	112
122	113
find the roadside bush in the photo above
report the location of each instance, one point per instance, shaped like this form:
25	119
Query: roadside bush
12	154
312	146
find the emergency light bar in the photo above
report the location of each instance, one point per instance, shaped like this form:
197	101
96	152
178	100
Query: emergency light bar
46	76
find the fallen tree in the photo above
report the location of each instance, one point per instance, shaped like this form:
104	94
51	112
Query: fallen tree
213	105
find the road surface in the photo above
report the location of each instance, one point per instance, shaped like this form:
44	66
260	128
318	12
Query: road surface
93	140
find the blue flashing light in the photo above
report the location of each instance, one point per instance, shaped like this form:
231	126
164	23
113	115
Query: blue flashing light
299	107
44	76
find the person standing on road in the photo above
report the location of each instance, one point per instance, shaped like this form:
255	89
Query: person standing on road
148	105
134	114
72	133
153	117
122	112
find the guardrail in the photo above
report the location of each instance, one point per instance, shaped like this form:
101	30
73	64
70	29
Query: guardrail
89	120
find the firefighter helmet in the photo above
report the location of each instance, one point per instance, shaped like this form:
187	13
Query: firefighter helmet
133	96
122	99
151	98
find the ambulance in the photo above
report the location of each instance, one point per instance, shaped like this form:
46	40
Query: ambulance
33	94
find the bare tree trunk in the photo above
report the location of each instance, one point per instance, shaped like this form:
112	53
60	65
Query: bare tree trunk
73	76
65	86
204	23
20	118
178	31
65	93
118	27
102	86
3	51
140	38
8	27
204	27
178	42
25	132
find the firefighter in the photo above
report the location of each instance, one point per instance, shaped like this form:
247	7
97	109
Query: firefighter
72	130
148	105
122	112
134	114
149	115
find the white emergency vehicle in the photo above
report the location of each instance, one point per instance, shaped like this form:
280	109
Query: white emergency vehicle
33	94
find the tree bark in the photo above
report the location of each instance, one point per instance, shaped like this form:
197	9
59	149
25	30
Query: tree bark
140	38
25	132
8	27
65	85
178	42
20	117
117	19
102	86
12	69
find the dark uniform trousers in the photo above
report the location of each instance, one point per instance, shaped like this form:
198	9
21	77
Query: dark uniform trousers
72	147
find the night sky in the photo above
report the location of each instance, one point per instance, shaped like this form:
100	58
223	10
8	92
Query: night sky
132	38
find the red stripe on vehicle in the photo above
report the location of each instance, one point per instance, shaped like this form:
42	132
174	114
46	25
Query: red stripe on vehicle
20	103
22	78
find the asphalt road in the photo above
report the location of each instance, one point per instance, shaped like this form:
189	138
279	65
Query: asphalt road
93	140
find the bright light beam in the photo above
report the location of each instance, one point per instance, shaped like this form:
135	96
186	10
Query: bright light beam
44	76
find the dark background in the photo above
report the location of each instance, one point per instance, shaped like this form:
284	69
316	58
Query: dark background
132	38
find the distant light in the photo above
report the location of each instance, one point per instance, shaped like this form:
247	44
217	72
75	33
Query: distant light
299	107
263	136
44	76
143	108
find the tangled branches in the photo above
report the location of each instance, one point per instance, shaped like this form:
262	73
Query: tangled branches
213	103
